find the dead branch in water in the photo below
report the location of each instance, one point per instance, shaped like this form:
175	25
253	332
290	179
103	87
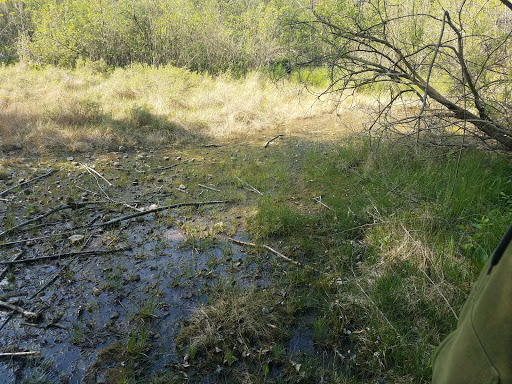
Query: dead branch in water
163	208
15	308
52	171
16	257
48	213
19	354
66	254
277	253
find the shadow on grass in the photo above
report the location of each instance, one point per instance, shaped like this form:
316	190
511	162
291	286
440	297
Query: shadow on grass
82	126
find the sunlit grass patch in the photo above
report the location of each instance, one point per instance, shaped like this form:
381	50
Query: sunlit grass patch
178	106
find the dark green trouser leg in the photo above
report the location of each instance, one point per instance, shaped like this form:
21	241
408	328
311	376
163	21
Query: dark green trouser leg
480	349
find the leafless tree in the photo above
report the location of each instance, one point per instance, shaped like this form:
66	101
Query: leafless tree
450	60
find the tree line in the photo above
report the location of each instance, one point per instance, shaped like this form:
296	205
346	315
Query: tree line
212	35
451	57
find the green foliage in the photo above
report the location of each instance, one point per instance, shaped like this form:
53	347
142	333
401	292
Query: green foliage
204	35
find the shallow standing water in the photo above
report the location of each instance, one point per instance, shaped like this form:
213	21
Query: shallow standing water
102	299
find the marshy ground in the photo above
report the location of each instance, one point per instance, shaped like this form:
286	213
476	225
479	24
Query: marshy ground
124	217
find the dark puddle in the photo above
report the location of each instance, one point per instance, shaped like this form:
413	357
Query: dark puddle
99	300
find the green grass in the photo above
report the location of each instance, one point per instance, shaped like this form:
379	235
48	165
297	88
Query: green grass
387	264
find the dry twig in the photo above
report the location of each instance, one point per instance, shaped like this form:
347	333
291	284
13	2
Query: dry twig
65	254
251	188
173	165
163	208
19	354
272	139
210	188
16	257
48	213
15	308
93	171
52	171
278	254
319	201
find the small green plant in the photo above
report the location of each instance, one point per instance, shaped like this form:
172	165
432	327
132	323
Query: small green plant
76	331
138	342
9	221
145	310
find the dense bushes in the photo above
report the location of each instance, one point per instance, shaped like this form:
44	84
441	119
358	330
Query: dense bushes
201	35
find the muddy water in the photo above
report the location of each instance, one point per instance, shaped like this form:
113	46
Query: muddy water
98	300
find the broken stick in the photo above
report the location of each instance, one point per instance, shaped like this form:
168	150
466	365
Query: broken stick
15	308
272	139
48	213
19	354
251	188
163	208
16	257
52	171
66	254
93	171
278	254
210	188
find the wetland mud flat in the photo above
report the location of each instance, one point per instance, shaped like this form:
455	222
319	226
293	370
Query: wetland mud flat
109	298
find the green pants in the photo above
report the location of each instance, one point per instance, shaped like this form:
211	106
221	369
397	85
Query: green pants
480	349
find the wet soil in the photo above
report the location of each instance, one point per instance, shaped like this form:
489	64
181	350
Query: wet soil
125	303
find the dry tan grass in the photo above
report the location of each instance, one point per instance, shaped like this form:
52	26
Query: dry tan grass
54	110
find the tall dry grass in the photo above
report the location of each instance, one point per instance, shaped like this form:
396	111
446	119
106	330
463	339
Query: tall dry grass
92	108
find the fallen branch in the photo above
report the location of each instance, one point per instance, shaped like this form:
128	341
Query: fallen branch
93	171
15	308
163	208
210	188
19	354
23	241
272	139
319	201
173	165
48	213
278	254
212	145
65	254
251	188
16	257
52	171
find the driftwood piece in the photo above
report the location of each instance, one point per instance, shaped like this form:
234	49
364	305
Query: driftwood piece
15	308
19	354
52	171
65	254
277	253
272	139
149	211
